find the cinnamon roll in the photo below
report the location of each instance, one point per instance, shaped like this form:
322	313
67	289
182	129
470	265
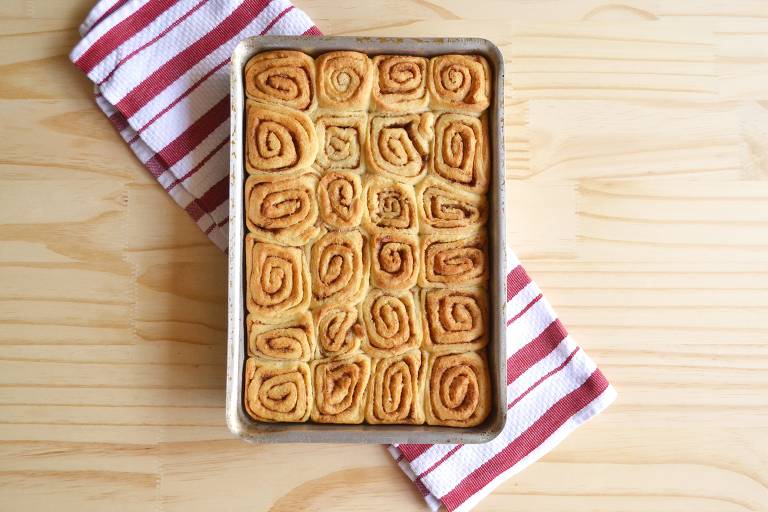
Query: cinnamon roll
389	207
340	139
455	319
392	323
278	140
398	145
396	389
458	390
459	82
339	195
450	260
282	77
395	260
282	210
400	83
344	80
278	390
293	340
446	209
461	156
339	329
340	268
340	388
277	281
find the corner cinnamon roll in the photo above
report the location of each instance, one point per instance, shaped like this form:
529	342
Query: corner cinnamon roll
459	82
282	77
458	390
278	390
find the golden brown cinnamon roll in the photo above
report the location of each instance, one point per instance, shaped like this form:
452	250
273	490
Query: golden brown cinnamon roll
400	83
455	319
344	80
461	156
395	260
278	140
392	323
340	268
293	340
282	77
282	210
278	390
398	145
340	388
446	209
340	198
396	389
458	390
340	139
339	329
277	281
449	260
459	82
389	207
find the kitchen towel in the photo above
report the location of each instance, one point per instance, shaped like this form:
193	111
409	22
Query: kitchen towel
160	69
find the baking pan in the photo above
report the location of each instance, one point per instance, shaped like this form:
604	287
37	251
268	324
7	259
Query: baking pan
238	420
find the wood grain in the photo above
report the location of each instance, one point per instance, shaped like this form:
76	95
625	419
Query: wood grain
637	136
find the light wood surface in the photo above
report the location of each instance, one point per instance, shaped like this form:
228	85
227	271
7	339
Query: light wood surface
637	165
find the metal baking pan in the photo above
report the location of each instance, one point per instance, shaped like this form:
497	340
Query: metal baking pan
238	420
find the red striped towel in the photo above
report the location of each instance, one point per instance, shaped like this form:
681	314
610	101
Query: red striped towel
160	72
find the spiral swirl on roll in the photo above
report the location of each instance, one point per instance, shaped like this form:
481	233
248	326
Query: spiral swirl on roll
389	207
396	390
446	209
278	140
451	260
293	340
340	268
398	146
459	82
461	154
339	195
282	210
340	141
282	77
455	319
392	323
400	83
278	391
344	80
277	281
339	329
340	389
458	390
395	261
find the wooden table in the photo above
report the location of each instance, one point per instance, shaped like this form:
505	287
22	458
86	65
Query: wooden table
637	165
